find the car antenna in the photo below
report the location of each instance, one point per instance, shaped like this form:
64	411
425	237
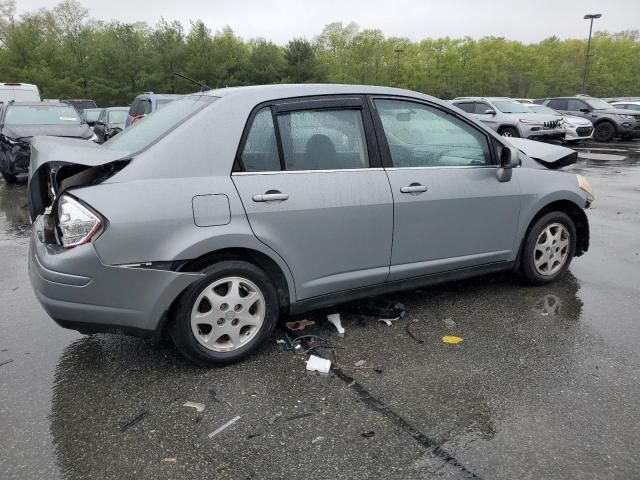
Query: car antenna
203	87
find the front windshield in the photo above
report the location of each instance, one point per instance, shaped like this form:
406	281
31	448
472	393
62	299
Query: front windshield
118	116
41	115
156	125
543	109
508	106
598	104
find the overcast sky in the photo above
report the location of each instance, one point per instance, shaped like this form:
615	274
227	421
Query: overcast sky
281	20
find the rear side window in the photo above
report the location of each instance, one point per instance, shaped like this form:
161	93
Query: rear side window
481	108
558	103
323	139
260	152
467	107
145	107
575	105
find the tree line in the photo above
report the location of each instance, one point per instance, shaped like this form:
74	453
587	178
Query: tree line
70	55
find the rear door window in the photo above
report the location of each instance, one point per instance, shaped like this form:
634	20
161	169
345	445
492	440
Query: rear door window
466	106
481	108
575	105
558	103
260	151
323	139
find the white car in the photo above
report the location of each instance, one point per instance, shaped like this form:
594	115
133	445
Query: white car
576	128
627	105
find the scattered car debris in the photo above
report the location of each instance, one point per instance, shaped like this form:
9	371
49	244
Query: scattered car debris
317	439
224	427
410	333
451	339
360	363
449	323
379	368
198	406
275	418
213	395
368	434
133	422
334	318
299	325
318	364
388	321
170	460
299	416
386	311
253	435
6	362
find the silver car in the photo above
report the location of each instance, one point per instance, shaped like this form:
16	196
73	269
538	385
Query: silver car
577	129
230	209
512	119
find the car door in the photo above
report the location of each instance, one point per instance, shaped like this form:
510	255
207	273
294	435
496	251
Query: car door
490	119
450	210
579	108
310	179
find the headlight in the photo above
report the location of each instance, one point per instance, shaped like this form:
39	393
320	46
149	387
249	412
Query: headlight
626	117
530	122
584	185
77	223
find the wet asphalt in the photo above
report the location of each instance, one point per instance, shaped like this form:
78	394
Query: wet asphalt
545	385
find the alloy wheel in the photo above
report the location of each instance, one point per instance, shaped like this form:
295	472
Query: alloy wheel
551	249
227	314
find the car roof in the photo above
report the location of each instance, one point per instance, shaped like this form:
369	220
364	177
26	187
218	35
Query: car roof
110	109
265	93
38	104
17	84
488	99
633	102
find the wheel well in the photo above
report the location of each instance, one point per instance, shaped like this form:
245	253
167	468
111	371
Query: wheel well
259	259
502	127
575	213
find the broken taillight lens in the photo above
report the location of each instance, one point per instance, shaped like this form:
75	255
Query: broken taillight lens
77	223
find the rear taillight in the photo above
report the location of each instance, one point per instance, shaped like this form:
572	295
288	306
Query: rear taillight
77	223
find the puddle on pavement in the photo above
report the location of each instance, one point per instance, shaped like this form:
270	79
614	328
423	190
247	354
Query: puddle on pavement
14	213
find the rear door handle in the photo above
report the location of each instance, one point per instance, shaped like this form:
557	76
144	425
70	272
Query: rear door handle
414	188
270	197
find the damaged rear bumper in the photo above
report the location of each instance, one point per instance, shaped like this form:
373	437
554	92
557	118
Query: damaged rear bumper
81	293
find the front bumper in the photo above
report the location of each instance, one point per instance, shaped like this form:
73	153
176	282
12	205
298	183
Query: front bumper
80	292
538	131
628	128
582	132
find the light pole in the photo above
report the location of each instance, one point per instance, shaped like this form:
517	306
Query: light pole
589	17
398	50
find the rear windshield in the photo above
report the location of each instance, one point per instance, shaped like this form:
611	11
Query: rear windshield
18	94
156	125
82	104
91	115
507	106
41	115
118	116
163	102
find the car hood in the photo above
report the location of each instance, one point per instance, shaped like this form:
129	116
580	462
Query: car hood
539	117
548	155
28	131
577	120
619	111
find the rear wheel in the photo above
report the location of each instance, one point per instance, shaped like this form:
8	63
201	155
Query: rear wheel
225	316
509	132
604	132
548	248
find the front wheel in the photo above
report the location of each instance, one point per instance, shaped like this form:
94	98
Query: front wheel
549	248
509	132
604	132
225	316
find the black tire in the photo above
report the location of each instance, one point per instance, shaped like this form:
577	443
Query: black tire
604	131
509	132
180	328
527	264
9	178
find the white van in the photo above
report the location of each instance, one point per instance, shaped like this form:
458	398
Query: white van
20	92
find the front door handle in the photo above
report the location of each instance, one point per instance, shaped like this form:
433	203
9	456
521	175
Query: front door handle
270	196
414	188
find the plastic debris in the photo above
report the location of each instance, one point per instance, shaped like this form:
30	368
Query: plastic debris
388	321
136	420
334	318
318	364
224	427
198	406
275	418
379	368
410	333
360	363
317	439
300	415
449	323
386	311
452	340
299	325
170	460
213	395
6	362
368	434
253	435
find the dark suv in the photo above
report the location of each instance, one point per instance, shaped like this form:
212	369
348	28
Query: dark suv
608	121
147	103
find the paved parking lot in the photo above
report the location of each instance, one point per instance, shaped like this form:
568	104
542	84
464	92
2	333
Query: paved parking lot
545	384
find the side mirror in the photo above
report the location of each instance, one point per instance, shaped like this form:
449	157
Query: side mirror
585	110
508	159
489	111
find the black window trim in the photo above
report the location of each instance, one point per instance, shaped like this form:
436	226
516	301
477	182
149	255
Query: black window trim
385	152
318	103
